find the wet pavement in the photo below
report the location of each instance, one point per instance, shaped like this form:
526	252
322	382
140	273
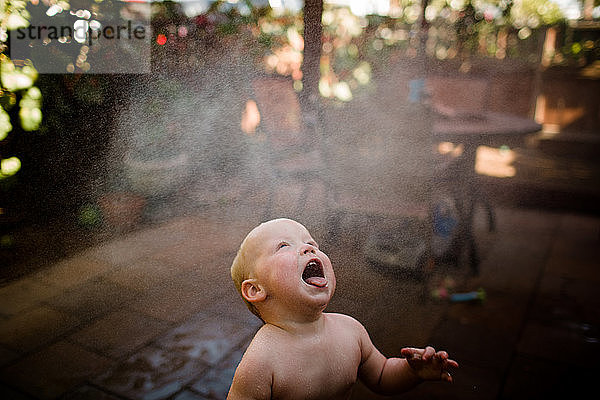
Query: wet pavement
153	314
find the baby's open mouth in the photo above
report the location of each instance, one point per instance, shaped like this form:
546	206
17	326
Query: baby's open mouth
313	273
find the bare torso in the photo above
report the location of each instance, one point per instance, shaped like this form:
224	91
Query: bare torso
319	366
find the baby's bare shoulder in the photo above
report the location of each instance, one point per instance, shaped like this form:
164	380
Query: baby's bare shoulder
266	342
258	355
343	320
263	341
254	375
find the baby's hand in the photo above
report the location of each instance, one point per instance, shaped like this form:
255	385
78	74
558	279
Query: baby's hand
429	364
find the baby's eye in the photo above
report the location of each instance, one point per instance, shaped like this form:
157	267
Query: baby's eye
282	244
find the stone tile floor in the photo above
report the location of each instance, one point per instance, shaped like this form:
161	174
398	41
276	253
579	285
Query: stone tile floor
153	314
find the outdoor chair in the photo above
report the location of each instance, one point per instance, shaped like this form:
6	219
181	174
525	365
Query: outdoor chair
295	151
384	171
403	188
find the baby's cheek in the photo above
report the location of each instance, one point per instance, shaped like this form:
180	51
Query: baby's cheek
284	276
326	259
280	277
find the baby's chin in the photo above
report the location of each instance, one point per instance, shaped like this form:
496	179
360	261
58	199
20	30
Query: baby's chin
313	302
323	297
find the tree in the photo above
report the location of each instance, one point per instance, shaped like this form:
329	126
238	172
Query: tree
313	32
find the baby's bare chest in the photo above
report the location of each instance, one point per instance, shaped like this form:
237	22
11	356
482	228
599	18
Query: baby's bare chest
316	370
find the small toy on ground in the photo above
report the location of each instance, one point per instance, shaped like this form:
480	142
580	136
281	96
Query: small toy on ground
442	291
445	289
478	295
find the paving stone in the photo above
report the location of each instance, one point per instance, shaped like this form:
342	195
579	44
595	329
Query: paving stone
567	267
565	291
189	395
143	275
206	240
581	246
202	279
556	309
92	298
72	272
7	356
169	304
501	312
35	327
54	370
216	382
206	338
522	222
233	359
231	306
532	378
119	333
390	332
190	255
12	394
209	273
23	294
470	383
87	392
513	264
485	347
566	341
574	260
584	228
152	373
138	245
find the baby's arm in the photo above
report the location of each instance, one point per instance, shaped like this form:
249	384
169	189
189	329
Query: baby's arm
253	377
395	375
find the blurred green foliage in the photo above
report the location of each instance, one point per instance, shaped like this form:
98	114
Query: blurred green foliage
354	45
20	100
457	30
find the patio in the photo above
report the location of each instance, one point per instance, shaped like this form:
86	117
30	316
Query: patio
153	314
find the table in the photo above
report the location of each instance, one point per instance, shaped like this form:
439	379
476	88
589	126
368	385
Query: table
484	128
473	130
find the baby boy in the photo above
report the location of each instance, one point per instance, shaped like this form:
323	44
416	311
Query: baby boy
301	352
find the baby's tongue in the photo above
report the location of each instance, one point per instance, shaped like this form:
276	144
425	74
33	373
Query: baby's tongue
316	281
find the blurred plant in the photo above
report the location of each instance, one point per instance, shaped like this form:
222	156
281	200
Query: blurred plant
195	40
355	45
457	29
20	100
89	215
491	28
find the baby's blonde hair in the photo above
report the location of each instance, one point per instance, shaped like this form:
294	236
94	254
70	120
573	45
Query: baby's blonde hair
240	271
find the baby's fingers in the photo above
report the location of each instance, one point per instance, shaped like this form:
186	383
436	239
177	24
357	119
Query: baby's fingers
446	376
450	363
411	352
428	353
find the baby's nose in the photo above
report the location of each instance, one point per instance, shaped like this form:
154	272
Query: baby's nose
308	249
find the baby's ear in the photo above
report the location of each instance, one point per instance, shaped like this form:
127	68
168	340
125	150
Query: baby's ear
253	291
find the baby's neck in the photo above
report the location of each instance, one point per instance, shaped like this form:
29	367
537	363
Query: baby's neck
299	326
